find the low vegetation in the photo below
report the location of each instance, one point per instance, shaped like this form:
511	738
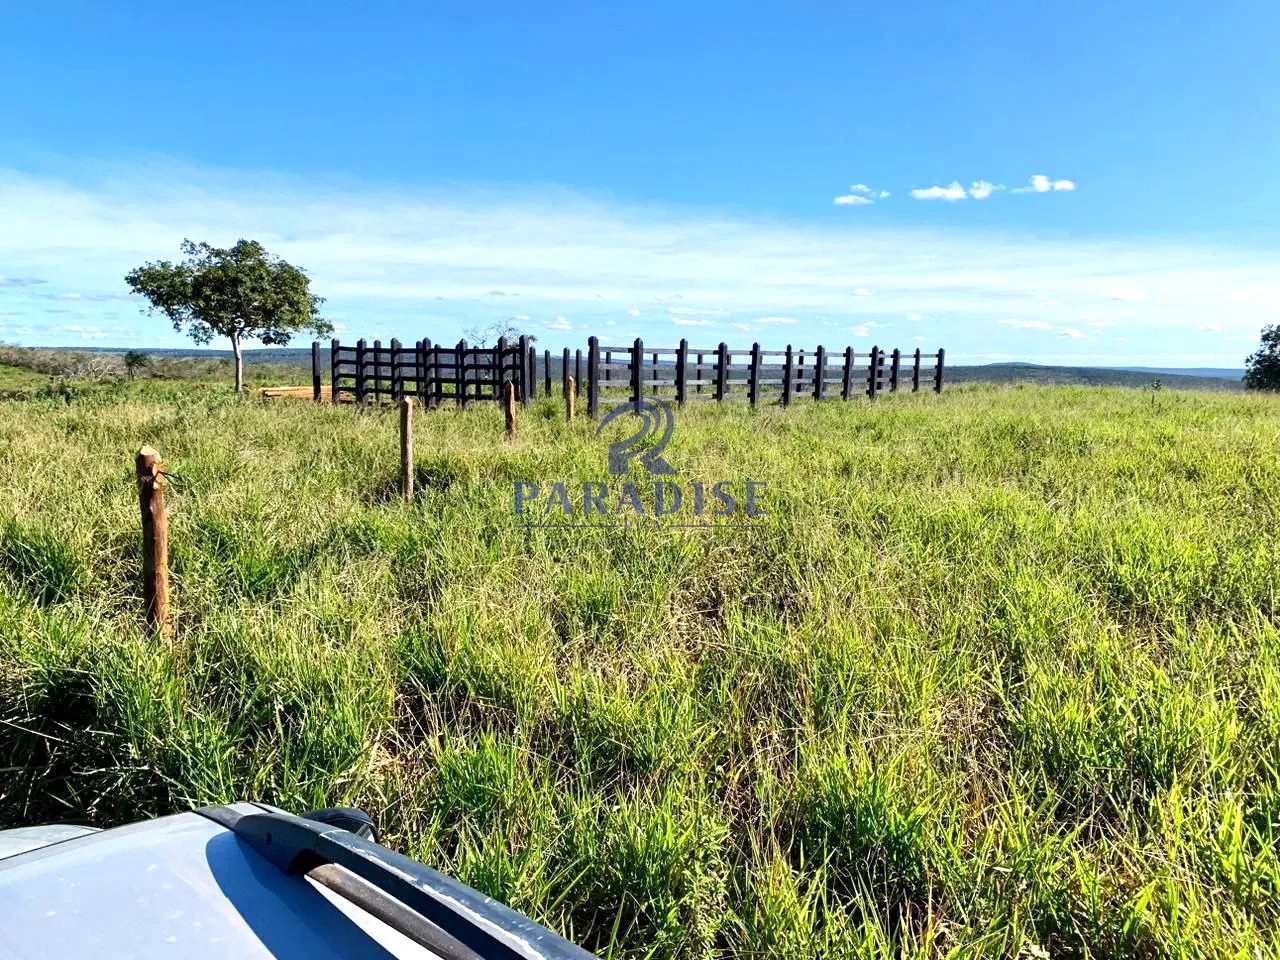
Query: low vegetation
998	675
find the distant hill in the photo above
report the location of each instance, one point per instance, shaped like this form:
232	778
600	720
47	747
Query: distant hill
1187	378
1191	379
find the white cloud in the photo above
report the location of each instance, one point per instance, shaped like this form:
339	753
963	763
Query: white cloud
981	189
1039	183
559	323
852	200
860	188
862	330
520	318
862	292
916	317
949	193
1027	324
690	322
1211	327
382	257
1072	334
633	312
1128	294
777	320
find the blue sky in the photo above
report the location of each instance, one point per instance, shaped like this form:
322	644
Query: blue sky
1079	183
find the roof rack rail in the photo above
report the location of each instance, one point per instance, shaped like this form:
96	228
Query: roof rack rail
467	923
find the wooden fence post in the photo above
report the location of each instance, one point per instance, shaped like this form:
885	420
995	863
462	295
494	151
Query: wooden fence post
893	370
637	361
786	377
937	371
593	377
608	359
873	373
361	348
397	376
846	383
654	388
799	377
564	371
533	372
406	449
820	373
915	372
570	399
546	372
460	373
315	370
682	357
333	370
722	370
526	373
509	406
155	540
699	372
577	367
428	384
500	369
377	372
753	376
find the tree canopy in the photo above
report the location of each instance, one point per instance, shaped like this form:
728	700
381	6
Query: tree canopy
239	292
1262	369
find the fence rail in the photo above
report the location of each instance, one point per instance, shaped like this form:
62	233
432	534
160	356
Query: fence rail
463	374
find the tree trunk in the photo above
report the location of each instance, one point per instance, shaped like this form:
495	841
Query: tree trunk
235	349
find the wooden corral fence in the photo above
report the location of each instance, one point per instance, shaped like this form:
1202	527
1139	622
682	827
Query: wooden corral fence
428	371
463	374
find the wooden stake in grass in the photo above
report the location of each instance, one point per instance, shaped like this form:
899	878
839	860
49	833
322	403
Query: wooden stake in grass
570	392
406	449
509	405
155	540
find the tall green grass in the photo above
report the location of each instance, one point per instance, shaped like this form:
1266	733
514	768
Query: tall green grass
999	674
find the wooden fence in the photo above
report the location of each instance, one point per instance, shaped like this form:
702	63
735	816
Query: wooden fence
463	374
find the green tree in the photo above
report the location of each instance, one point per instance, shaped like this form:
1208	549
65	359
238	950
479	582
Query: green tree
134	360
1262	369
240	292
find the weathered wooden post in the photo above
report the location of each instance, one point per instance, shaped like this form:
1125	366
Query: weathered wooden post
937	371
637	362
460	373
699	372
315	370
577	367
533	372
570	400
753	388
155	540
722	370
893	370
915	372
526	370
786	377
406	449
333	370
361	348
377	372
397	380
608	359
846	383
873	373
430	355
682	357
546	372
593	377
509	407
820	373
564	371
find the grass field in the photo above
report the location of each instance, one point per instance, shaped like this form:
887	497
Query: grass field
999	675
